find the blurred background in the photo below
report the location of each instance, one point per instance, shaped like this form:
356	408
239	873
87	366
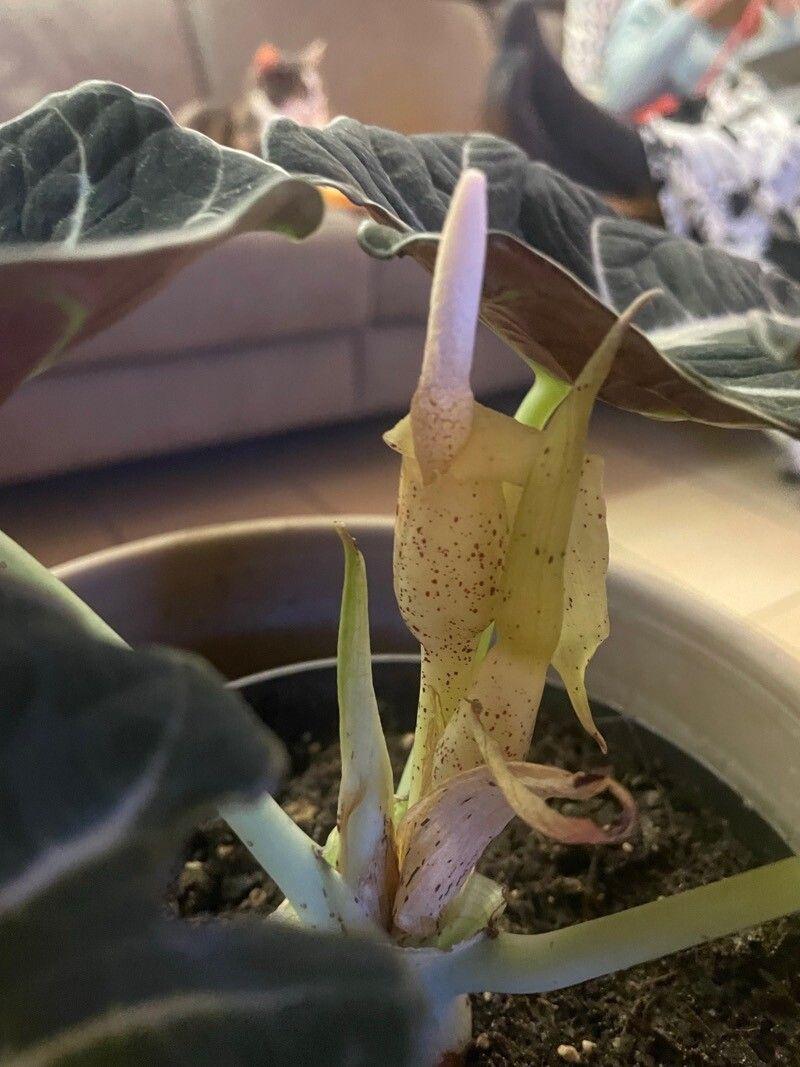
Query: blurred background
269	394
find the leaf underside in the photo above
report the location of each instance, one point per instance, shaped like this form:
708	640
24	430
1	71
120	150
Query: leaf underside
103	198
719	345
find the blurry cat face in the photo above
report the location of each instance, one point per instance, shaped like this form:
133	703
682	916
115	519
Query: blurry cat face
290	84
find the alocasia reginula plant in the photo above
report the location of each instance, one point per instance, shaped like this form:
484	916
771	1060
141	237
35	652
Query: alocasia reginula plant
108	756
499	566
500	560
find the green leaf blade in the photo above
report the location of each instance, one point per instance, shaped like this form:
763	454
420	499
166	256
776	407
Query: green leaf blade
77	704
105	198
720	345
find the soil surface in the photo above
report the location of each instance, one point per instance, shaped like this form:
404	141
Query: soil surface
735	1001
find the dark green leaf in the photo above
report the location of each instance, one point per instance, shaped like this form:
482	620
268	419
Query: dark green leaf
102	198
721	344
107	756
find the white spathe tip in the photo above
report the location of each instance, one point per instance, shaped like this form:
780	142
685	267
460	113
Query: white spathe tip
457	286
442	406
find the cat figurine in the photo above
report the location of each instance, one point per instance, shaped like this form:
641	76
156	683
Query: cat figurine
278	84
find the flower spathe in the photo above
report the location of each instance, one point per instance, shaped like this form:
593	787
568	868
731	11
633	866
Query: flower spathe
500	556
500	528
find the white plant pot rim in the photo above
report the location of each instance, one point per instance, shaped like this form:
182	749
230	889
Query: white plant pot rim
323	664
702	678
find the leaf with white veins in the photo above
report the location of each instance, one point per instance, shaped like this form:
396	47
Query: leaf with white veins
366	856
104	198
721	344
295	861
108	757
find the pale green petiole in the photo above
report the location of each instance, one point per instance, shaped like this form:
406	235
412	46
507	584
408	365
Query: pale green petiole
537	963
319	895
19	564
542	398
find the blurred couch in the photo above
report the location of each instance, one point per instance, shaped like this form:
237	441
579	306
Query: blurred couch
261	335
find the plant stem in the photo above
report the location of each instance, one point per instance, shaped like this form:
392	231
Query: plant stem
19	564
449	1030
538	963
318	894
542	399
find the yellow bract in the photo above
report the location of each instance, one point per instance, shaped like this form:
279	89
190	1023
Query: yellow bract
450	546
497	574
530	608
365	851
585	625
